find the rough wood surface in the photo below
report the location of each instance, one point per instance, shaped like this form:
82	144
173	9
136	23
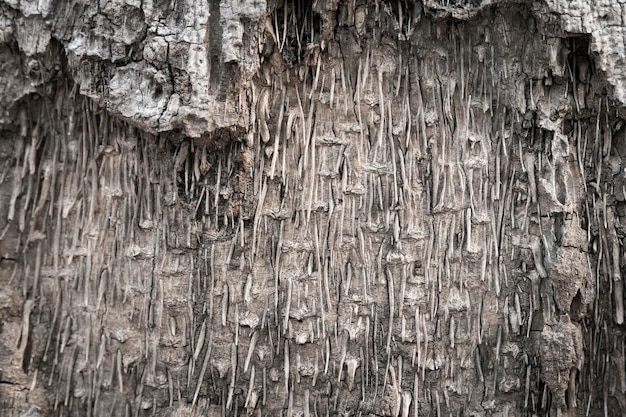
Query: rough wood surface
385	208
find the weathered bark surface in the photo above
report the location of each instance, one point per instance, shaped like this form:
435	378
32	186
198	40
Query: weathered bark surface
363	207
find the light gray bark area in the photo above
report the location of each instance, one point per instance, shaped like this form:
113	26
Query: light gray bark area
331	208
163	65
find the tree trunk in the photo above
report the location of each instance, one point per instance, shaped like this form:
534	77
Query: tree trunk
298	208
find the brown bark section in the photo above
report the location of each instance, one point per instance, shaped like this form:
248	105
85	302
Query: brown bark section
402	214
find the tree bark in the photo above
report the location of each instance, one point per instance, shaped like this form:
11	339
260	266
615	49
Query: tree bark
387	208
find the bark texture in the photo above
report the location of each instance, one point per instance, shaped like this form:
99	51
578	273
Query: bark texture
385	208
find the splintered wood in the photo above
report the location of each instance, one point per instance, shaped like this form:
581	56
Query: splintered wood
417	222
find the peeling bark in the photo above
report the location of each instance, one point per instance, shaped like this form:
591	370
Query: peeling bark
371	207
